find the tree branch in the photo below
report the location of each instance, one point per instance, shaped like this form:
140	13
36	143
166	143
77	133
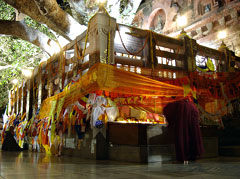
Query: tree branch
5	67
21	30
2	62
48	12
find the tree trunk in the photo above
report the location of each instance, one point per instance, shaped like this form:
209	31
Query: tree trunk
21	30
48	12
79	10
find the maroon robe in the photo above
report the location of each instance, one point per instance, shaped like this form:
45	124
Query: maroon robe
183	117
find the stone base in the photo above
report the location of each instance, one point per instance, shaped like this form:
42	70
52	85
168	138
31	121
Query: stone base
151	143
141	153
157	153
135	143
230	151
210	147
89	148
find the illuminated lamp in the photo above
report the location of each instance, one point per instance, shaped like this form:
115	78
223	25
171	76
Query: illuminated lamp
55	48
222	35
101	2
27	72
181	21
15	81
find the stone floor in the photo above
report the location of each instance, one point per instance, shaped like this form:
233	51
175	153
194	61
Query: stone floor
28	165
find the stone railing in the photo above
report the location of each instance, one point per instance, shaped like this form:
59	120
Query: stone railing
132	49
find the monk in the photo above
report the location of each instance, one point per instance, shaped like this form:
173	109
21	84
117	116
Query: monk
183	117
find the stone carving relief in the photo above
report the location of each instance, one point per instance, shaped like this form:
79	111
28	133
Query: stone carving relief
101	44
104	30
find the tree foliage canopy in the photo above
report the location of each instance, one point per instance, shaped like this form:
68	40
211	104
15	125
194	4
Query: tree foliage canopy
16	53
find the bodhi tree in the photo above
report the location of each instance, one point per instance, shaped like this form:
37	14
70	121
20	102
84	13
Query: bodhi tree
28	26
14	53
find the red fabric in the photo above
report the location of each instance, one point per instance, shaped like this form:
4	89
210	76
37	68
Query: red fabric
183	117
83	103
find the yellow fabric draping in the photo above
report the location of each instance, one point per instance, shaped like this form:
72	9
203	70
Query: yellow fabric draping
109	78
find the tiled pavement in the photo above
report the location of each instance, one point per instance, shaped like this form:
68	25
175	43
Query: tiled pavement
28	165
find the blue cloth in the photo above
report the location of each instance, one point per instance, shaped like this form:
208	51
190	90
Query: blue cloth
99	124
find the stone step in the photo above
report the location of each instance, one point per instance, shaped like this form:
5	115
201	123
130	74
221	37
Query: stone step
231	151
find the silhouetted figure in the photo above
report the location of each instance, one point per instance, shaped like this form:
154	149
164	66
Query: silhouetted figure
183	117
9	143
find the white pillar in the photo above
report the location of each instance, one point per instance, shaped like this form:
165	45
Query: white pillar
100	26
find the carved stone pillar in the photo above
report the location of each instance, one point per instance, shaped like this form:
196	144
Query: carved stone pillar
100	44
101	34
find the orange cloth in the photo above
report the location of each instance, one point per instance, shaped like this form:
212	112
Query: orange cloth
111	79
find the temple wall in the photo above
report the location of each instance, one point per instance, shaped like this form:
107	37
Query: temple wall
205	19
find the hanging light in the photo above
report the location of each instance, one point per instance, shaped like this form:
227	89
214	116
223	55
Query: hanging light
55	48
181	21
27	72
100	2
101	8
222	35
15	81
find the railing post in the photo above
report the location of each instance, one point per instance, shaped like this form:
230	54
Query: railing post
40	87
22	98
10	101
61	70
49	81
152	54
229	58
17	100
146	54
190	52
28	88
101	34
34	90
13	100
